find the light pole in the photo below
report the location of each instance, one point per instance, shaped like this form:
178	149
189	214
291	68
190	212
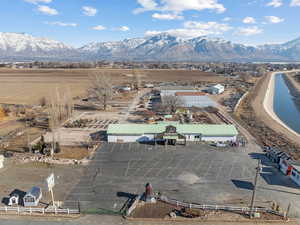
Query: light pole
258	169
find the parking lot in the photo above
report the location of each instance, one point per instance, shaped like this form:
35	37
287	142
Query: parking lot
193	173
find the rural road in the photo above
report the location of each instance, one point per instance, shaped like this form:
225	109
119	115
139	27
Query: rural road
132	105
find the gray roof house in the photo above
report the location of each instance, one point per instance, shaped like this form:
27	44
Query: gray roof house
32	197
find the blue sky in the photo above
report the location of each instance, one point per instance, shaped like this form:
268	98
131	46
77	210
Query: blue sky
77	22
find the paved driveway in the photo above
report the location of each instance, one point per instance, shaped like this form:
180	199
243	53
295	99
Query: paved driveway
195	173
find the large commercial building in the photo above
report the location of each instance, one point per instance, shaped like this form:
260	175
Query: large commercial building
171	132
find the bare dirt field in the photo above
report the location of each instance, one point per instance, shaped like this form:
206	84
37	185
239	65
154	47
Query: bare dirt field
27	86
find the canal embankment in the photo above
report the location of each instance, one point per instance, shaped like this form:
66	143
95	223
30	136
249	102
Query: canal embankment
266	128
268	103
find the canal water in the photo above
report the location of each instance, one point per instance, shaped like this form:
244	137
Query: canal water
284	105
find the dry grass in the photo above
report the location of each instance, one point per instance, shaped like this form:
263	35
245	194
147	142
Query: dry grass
72	153
27	86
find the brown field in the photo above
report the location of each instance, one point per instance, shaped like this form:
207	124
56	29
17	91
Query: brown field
27	86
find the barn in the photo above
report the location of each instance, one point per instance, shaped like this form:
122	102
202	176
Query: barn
170	133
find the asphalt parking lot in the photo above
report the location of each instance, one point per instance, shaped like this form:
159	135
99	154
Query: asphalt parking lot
194	173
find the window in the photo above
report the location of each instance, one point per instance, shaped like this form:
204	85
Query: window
29	199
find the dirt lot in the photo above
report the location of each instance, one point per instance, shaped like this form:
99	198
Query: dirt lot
28	86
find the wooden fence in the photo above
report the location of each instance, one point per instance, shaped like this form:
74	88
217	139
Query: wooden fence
23	210
220	207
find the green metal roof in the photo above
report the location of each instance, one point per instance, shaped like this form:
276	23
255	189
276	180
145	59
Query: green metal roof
204	129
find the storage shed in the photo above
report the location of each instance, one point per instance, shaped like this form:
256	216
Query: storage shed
124	133
216	89
32	197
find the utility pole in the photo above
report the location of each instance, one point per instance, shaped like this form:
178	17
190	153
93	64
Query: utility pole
28	136
258	169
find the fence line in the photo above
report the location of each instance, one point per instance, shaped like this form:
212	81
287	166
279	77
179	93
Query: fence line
20	210
219	207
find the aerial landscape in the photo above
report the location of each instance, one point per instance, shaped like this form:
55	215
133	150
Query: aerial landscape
149	112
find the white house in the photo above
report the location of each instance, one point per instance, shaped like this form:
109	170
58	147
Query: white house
216	89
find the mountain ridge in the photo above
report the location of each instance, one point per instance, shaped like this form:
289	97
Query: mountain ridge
161	47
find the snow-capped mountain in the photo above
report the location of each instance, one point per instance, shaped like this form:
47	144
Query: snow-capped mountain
19	45
161	47
165	47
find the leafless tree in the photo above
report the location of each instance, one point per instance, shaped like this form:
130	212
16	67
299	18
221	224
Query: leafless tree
136	79
100	88
60	109
43	101
171	103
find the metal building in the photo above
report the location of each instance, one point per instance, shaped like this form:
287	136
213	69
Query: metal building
195	99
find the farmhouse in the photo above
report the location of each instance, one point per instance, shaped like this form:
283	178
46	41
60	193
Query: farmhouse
171	133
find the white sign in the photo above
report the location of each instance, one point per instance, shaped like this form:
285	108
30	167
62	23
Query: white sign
50	182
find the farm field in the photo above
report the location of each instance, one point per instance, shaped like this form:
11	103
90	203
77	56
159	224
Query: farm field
27	86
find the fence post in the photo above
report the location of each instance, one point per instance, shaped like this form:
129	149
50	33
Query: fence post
68	211
55	210
43	210
30	209
177	203
190	206
6	209
18	210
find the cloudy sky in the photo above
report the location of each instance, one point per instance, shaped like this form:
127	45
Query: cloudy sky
77	22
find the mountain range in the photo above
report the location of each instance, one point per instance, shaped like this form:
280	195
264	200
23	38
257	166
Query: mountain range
162	47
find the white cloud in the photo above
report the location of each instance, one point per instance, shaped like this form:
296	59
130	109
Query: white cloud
274	19
192	29
62	24
213	27
179	5
249	31
275	3
226	19
167	16
99	27
38	1
295	3
47	10
249	20
89	11
124	28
